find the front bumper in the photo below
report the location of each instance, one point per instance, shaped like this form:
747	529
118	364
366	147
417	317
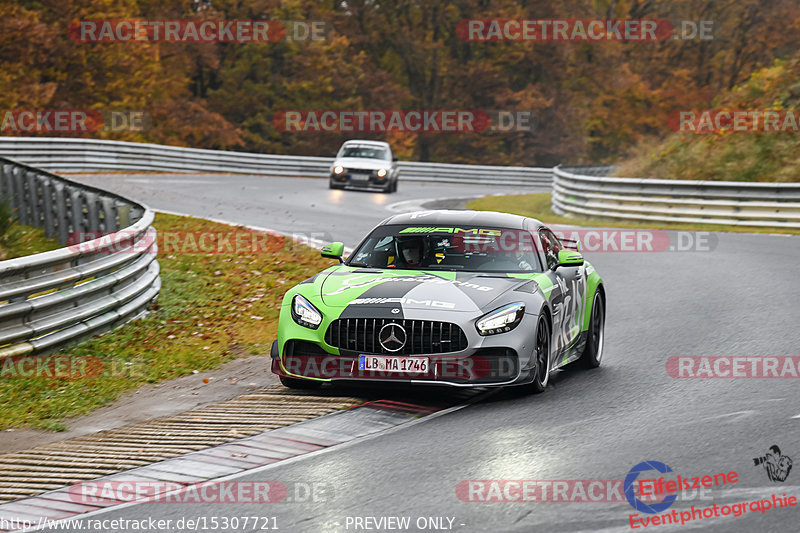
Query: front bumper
352	178
482	367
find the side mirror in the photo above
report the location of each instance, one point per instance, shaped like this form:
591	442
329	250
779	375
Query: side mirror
568	258
572	244
395	159
334	250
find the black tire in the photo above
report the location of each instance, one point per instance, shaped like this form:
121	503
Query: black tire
300	384
333	186
541	353
394	187
389	189
593	352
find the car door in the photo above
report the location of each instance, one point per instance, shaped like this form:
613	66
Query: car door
568	293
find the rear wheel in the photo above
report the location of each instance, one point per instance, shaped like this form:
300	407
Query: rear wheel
541	354
593	352
300	384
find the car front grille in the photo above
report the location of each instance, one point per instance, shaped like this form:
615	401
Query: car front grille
422	336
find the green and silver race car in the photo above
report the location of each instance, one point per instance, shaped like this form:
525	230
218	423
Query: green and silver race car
460	298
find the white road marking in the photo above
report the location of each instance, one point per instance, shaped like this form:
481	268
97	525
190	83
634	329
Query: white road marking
170	181
409	206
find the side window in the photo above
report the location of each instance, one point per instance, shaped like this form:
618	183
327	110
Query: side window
548	247
557	244
383	244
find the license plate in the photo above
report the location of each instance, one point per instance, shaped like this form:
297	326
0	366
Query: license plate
415	365
361	178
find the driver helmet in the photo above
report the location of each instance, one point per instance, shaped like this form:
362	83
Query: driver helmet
411	250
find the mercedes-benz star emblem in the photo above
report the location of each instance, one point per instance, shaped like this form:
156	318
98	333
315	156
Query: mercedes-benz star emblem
392	337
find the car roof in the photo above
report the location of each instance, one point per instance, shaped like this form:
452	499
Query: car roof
374	143
464	217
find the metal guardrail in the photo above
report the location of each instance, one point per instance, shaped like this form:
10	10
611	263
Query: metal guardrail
705	202
61	296
577	190
93	155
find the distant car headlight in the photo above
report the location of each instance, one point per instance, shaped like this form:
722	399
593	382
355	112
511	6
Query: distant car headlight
304	313
338	169
501	320
381	172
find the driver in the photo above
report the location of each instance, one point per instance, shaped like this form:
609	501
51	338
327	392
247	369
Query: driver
411	250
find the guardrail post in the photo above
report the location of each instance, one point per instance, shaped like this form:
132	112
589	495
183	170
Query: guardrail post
18	198
123	215
92	215
108	214
32	187
5	182
77	217
48	208
62	218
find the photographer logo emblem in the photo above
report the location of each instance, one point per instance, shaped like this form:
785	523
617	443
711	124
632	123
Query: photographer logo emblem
777	466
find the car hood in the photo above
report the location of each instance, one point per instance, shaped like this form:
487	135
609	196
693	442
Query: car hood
362	163
414	290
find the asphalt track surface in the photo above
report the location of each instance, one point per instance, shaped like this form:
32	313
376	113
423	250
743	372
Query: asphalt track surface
741	297
302	206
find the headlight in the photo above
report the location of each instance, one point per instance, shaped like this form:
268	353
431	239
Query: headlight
304	313
338	169
381	172
501	320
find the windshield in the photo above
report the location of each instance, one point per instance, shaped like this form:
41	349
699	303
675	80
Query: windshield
364	152
462	248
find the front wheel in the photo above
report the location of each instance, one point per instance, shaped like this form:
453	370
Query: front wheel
300	384
593	352
541	354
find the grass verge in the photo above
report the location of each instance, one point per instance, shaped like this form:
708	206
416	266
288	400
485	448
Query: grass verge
212	308
18	240
538	206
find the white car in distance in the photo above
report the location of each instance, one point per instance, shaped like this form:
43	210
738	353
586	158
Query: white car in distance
365	165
